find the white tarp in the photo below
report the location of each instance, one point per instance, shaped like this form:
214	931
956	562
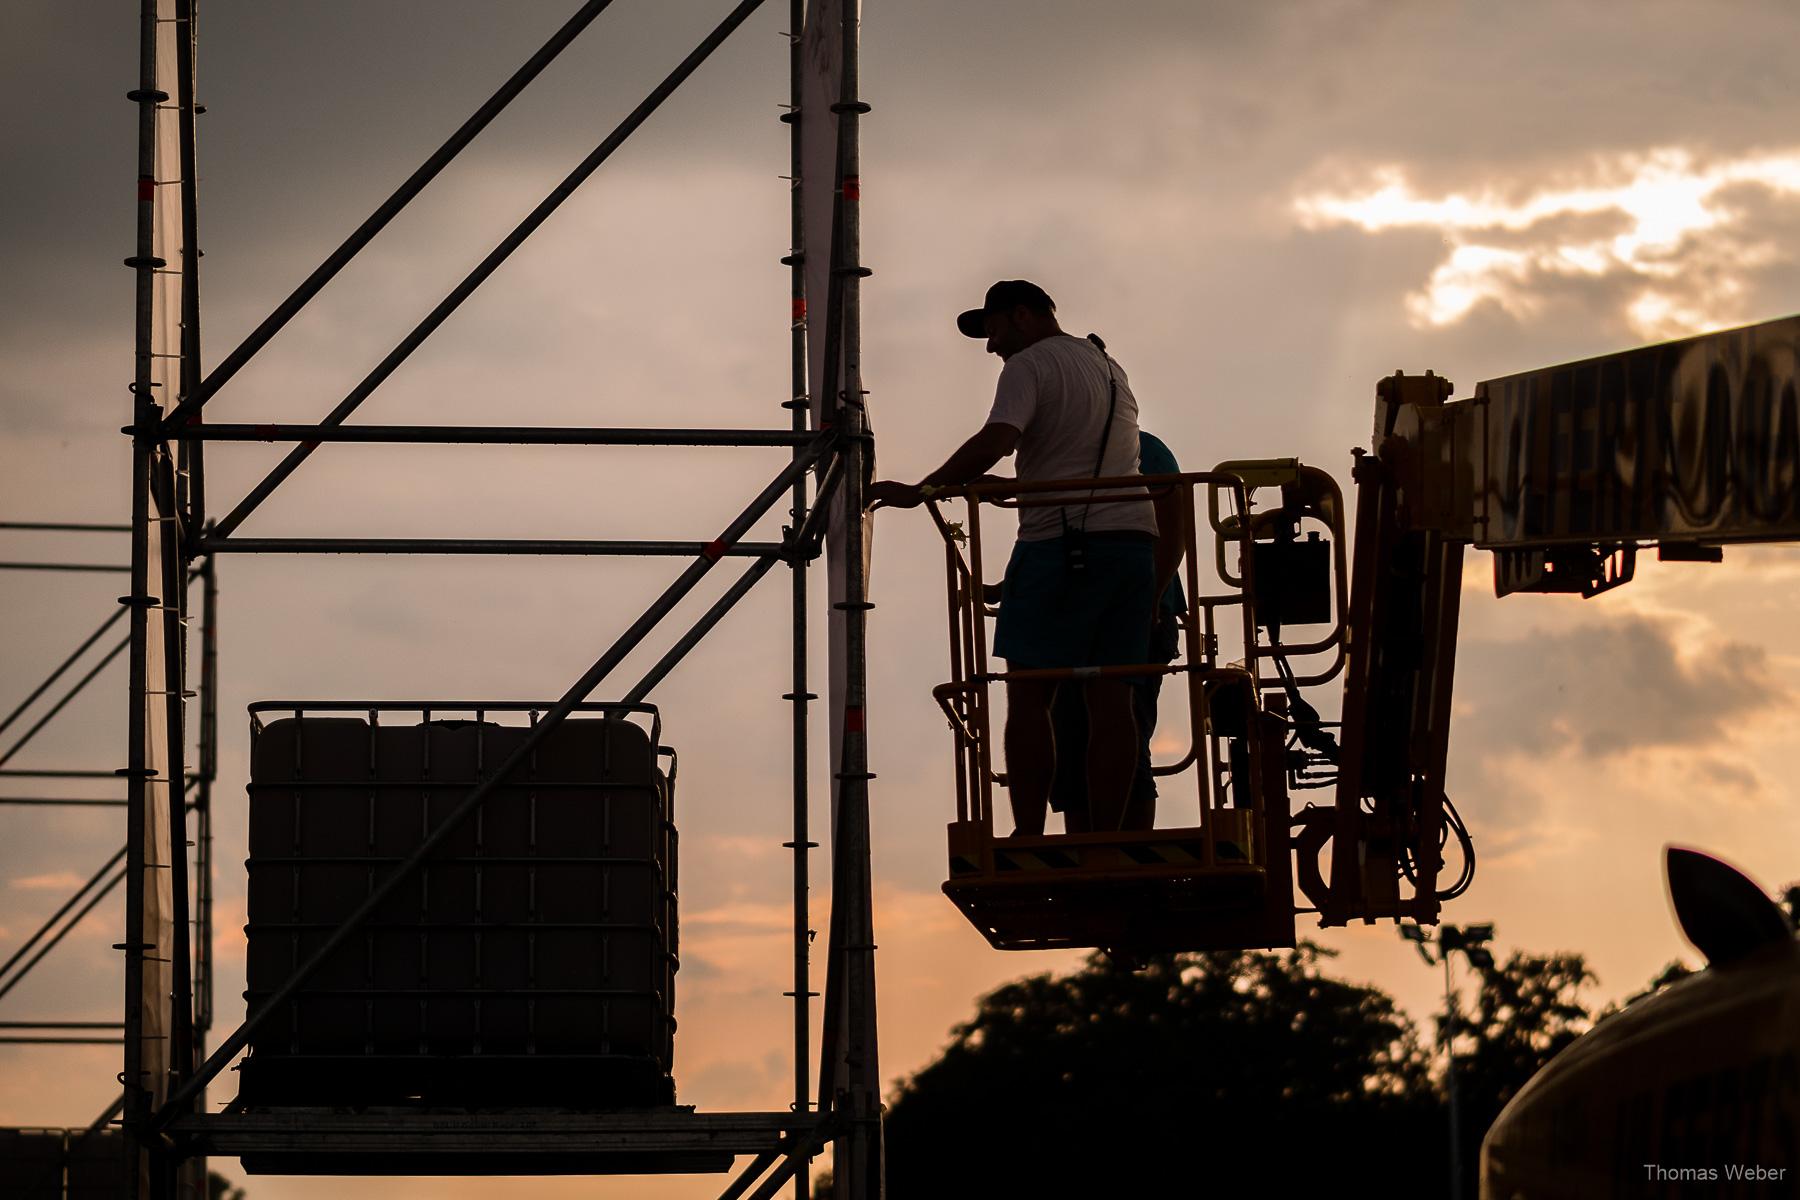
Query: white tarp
165	344
167	786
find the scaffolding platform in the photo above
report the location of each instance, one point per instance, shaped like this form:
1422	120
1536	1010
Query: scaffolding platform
518	1142
1156	891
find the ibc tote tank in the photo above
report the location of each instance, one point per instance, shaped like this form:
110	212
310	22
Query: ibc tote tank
530	961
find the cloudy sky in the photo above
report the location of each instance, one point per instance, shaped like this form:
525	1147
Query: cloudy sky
1264	207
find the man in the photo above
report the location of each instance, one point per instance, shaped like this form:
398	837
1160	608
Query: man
1069	712
1080	587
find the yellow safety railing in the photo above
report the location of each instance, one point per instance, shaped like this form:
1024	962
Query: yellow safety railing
965	698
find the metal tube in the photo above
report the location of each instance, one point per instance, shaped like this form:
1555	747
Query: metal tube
64	527
830	405
106	1118
107	568
1450	1074
958	598
144	414
984	712
132	1020
364	233
1200	657
56	916
66	663
1246	611
1201	746
623	646
858	1155
800	696
67	697
806	542
1061	674
495	257
711	617
191	462
174	688
780	1175
62	1024
975	712
749	1175
15	773
209	771
965	609
654	549
363	706
492	435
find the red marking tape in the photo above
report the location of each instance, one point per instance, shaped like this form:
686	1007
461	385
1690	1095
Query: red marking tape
799	309
852	187
146	188
714	550
853	720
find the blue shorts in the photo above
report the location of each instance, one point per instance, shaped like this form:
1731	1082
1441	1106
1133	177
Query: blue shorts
1053	617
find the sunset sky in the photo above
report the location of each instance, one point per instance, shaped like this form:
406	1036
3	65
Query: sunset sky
1263	208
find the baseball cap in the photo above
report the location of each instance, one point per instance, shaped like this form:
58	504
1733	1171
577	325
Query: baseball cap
1003	296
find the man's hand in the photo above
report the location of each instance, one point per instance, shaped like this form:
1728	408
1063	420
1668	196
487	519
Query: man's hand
972	458
893	494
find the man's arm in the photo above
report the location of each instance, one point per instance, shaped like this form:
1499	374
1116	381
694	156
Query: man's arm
1171	537
1172	516
972	459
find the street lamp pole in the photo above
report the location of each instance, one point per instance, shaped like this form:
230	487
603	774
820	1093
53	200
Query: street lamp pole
1472	941
1456	1175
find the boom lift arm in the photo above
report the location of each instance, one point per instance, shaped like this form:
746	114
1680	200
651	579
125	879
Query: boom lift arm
1564	473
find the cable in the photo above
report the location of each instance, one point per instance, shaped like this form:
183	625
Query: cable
1454	823
1308	730
1308	725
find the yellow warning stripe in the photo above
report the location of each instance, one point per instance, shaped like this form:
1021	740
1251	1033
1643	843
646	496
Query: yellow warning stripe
1036	860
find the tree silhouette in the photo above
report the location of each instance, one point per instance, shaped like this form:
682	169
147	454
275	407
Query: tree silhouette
1526	1010
1202	1070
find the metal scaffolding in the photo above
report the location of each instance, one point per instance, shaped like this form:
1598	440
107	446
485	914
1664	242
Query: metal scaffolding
176	541
78	1151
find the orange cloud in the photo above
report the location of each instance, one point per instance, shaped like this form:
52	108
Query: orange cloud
1675	237
54	879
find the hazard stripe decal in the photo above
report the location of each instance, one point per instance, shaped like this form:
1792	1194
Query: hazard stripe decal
1035	860
1187	853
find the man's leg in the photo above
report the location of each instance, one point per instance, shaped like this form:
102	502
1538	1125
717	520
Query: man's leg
1068	724
1140	808
1030	752
1112	751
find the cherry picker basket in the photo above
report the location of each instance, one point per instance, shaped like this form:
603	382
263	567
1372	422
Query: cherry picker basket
1223	881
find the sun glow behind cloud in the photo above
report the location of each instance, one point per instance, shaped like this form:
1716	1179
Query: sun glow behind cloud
1674	230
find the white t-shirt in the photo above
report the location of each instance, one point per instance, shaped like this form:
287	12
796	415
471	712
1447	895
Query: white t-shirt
1055	393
